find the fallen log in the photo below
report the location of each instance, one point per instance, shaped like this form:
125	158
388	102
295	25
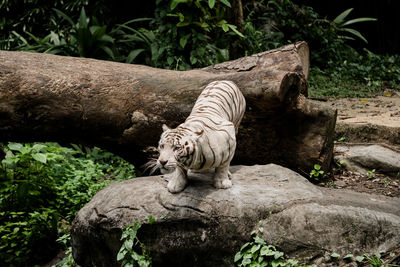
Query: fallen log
121	107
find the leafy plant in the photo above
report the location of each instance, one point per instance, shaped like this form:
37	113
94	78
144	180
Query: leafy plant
317	173
88	41
330	184
68	260
371	174
342	24
192	33
374	260
341	139
41	184
258	253
127	253
387	182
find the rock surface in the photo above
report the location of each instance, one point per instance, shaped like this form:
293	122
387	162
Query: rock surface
363	158
203	226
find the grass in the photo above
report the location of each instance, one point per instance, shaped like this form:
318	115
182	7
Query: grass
333	85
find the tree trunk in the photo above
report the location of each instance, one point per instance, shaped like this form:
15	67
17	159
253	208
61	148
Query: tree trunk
121	107
237	14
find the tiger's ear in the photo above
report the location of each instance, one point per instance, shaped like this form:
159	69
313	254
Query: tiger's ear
165	128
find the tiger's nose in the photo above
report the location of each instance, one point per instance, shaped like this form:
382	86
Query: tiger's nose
163	162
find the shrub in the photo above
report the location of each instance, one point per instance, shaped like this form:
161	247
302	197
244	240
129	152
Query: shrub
43	183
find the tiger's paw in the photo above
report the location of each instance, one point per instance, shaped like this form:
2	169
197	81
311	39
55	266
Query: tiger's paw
223	184
176	184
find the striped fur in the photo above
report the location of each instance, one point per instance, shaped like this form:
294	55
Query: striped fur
206	140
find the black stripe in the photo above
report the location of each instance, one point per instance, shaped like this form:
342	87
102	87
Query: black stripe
208	126
233	89
219	104
203	161
230	95
212	152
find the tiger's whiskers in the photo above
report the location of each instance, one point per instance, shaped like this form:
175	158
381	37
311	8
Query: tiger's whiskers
152	165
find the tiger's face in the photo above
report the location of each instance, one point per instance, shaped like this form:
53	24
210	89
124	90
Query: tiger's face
176	148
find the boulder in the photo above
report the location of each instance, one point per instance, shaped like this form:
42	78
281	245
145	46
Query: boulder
204	226
366	157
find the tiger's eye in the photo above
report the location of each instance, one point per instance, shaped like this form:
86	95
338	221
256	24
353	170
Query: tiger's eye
176	148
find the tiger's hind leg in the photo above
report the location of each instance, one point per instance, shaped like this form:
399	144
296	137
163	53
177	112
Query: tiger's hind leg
178	181
222	177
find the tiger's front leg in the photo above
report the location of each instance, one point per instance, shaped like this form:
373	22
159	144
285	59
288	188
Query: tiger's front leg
222	177
178	180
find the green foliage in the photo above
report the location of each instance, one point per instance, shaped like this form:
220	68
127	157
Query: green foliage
34	16
374	260
364	76
317	173
371	174
76	39
282	22
128	254
364	260
68	260
257	253
191	33
42	183
341	23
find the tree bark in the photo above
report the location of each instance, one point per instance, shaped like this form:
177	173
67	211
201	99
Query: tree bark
237	14
121	107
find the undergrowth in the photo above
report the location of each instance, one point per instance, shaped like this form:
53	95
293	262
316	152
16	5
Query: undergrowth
44	185
364	76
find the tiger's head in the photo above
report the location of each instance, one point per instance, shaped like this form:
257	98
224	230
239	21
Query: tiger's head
177	148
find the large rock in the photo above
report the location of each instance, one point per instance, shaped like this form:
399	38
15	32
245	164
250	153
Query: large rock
364	157
203	226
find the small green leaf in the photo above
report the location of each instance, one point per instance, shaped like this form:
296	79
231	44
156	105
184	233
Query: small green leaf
226	2
255	248
184	40
128	244
339	19
174	3
355	33
266	251
335	255
170	60
211	3
15	146
360	258
278	255
259	240
151	220
244	246
348	256
246	261
83	19
121	254
40	157
233	28
238	256
133	54
352	21
193	60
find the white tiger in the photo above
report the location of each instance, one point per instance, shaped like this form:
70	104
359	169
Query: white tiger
206	140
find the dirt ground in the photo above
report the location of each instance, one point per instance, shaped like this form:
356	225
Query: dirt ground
381	110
